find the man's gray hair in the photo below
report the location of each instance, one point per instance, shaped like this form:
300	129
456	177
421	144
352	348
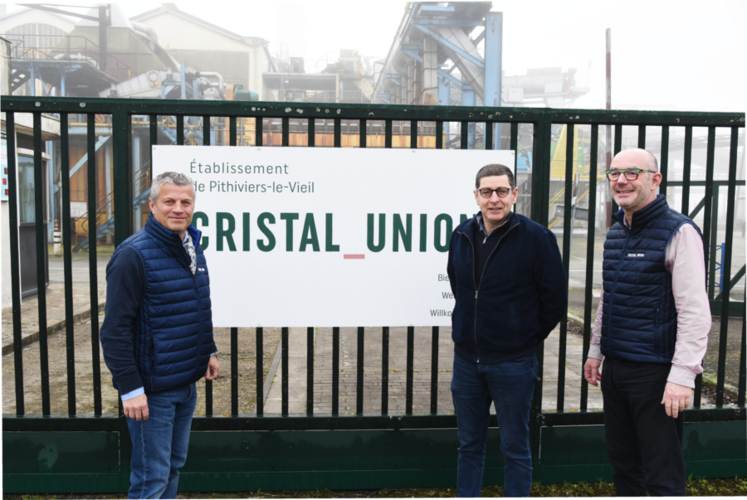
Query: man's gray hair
175	178
653	164
495	169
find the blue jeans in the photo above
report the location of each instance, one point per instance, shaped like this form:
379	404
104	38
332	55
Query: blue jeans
159	444
510	386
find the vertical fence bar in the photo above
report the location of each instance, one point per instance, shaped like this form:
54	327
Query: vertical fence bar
618	148
567	236
232	131
434	370
260	400
742	370
68	262
489	135
41	267
686	170
588	305
711	241
413	134
410	368
664	163
285	131
385	370
359	373
387	133
258	124
710	155
179	130
726	268
153	133
92	265
209	398
642	136
312	132
338	132
310	366
362	134
514	145
234	371
541	171
710	204
464	136
540	207
122	175
618	137
284	380
15	260
335	371
439	134
206	139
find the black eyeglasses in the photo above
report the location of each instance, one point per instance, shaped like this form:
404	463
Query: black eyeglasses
487	192
631	174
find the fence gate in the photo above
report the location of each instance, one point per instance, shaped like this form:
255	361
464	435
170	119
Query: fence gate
84	446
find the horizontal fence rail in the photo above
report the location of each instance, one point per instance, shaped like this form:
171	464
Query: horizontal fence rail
520	129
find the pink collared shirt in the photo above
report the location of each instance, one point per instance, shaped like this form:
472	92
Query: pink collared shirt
686	262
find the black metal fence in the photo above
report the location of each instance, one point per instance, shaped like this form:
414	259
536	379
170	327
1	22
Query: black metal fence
532	133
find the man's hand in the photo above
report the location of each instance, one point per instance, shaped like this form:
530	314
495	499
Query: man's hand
213	368
136	407
591	371
676	398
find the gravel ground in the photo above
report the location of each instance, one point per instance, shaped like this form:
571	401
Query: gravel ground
696	487
84	393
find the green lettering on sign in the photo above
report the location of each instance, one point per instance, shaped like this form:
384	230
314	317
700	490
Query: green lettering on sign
308	235
289	218
437	223
399	231
423	231
246	231
223	233
262	221
382	233
329	246
202	218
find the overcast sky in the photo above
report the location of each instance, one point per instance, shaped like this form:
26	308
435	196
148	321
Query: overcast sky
666	54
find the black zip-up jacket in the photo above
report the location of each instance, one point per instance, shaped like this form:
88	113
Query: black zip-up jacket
522	296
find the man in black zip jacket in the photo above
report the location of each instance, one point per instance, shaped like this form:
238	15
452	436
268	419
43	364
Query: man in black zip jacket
511	290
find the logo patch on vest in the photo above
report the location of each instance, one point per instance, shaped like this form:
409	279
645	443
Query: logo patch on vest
636	255
200	268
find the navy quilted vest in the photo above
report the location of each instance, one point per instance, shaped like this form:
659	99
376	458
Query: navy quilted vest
174	327
640	319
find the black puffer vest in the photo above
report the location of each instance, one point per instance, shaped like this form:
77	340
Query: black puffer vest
640	319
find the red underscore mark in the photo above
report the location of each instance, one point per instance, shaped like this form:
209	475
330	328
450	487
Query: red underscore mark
354	256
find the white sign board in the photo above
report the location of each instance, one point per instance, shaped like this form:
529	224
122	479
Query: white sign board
328	236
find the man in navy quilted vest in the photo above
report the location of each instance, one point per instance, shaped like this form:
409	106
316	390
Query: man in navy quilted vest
651	330
511	290
158	334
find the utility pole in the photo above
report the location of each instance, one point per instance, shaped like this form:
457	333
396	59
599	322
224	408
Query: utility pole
609	127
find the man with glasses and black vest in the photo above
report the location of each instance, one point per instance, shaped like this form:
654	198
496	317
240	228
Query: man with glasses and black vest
158	334
651	329
510	287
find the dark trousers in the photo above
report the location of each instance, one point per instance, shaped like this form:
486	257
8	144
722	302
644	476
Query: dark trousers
643	443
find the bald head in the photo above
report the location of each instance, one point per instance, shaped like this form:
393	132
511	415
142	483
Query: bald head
640	158
633	195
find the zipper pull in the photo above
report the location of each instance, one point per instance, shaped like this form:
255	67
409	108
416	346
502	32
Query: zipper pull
486	239
476	292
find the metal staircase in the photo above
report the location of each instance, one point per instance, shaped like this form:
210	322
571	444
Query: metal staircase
105	206
192	131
